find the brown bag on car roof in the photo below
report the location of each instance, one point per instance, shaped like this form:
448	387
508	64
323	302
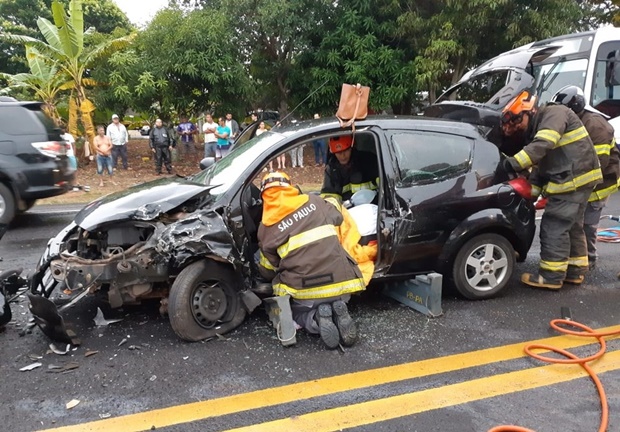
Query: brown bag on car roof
353	104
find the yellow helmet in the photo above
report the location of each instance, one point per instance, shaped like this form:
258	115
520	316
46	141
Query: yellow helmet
274	179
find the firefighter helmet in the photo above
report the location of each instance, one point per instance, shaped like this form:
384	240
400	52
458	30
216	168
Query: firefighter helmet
340	143
572	97
523	103
274	179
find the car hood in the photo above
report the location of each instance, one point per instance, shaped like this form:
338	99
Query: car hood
141	202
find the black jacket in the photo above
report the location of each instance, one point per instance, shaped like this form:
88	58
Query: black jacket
161	137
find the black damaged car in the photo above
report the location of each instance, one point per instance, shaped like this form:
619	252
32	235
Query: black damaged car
445	205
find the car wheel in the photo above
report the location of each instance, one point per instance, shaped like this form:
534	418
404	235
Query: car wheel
7	205
483	266
204	301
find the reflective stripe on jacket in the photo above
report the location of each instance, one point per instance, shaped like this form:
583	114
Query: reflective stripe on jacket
602	135
304	252
562	152
342	182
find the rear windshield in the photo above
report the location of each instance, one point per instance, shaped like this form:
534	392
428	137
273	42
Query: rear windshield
27	119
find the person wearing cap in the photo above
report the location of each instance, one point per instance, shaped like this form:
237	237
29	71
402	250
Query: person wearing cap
301	254
117	133
602	135
565	169
161	143
349	171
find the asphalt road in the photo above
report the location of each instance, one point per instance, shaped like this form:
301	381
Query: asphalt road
458	372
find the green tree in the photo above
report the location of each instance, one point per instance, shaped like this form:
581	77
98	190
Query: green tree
19	17
184	61
45	80
64	48
360	45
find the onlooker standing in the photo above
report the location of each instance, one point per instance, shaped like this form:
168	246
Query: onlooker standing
104	148
297	156
233	126
186	131
161	143
223	144
119	137
320	150
66	136
261	129
210	139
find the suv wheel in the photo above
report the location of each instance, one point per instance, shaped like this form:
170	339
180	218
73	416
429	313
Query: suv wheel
7	205
204	301
483	266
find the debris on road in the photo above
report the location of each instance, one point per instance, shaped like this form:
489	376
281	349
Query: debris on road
72	404
101	321
90	353
122	342
59	351
31	367
153	378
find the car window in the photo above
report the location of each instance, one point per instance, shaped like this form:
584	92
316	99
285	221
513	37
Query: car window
18	120
429	157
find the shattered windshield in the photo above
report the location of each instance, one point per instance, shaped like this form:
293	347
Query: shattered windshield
225	172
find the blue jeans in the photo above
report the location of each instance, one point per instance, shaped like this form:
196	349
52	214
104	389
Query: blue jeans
320	151
210	149
104	162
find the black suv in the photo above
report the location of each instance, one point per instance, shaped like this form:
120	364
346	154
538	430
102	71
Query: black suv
33	158
445	204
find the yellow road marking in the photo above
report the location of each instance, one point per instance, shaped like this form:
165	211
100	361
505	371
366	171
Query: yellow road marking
426	400
320	387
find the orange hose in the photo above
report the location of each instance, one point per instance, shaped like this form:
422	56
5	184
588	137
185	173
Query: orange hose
571	359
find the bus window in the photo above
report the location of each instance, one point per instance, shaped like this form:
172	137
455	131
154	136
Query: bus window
606	81
566	72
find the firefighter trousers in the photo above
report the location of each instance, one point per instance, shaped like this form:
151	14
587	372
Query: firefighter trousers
563	248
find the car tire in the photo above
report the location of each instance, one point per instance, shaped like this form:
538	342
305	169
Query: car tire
483	266
7	205
204	301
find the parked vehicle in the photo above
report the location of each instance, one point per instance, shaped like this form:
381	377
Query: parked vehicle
145	130
34	162
445	205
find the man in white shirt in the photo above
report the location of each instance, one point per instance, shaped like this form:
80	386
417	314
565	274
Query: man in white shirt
210	140
117	133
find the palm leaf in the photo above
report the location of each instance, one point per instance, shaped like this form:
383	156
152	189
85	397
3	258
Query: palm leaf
107	47
90	82
69	85
36	63
66	33
77	21
50	33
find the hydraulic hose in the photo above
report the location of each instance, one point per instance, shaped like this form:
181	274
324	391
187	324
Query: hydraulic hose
571	358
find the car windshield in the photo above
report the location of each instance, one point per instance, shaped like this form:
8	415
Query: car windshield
225	172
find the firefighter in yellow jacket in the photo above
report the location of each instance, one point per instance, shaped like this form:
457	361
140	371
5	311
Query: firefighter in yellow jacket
566	170
301	253
602	135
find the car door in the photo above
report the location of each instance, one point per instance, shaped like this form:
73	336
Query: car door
431	183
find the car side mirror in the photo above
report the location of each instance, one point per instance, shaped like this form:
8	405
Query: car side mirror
207	162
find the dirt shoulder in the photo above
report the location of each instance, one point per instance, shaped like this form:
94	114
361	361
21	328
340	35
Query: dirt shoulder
142	169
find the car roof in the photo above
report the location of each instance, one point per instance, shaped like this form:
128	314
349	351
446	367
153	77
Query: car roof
328	124
25	104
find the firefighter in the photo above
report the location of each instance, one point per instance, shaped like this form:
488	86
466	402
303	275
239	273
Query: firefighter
565	169
349	171
602	135
301	254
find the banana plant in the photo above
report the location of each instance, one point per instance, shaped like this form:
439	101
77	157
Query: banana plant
63	47
44	79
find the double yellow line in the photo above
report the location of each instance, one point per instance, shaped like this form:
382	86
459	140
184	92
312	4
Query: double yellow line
372	411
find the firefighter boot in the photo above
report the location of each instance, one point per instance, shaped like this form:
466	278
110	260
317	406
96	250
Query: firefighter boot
538	281
344	322
574	280
327	328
